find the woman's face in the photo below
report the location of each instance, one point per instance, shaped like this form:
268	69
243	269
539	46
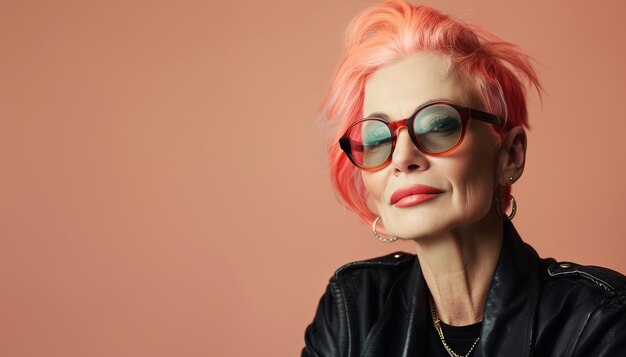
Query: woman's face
463	182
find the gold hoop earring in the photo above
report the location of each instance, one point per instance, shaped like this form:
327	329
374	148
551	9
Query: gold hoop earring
513	209
378	236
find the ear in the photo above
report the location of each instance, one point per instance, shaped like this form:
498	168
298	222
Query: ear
512	156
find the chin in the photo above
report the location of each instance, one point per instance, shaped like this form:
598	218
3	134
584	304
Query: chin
423	226
417	228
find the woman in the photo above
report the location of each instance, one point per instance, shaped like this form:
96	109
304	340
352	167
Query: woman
430	120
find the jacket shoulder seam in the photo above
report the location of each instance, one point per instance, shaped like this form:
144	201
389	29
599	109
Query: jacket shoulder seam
589	316
391	260
342	305
609	280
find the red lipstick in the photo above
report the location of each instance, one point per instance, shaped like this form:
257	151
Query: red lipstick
413	195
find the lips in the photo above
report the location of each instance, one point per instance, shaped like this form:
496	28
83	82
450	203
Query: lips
413	195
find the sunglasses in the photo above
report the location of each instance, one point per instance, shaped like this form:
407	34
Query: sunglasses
435	128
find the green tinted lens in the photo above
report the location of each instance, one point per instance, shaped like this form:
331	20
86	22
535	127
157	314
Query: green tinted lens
370	143
438	128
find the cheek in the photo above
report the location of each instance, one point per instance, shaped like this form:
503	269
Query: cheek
481	156
374	183
473	181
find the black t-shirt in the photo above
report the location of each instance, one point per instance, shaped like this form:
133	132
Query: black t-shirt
459	338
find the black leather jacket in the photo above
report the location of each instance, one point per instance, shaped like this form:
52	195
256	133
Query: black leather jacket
535	307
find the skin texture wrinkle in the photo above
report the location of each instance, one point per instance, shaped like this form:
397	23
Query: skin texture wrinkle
460	224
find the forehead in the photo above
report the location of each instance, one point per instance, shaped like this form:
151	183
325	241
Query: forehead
399	88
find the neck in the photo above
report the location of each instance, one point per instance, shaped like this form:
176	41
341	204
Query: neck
458	266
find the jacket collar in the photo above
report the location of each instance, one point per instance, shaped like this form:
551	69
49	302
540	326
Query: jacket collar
511	306
508	319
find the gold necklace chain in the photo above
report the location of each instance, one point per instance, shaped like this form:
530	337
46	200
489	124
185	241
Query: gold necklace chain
436	322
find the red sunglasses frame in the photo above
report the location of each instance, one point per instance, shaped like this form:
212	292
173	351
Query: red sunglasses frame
464	112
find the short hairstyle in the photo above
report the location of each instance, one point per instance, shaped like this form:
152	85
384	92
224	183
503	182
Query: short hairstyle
388	32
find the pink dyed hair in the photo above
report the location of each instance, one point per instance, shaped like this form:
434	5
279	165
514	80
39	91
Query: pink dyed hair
387	32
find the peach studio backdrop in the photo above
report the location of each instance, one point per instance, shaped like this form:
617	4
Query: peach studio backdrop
163	188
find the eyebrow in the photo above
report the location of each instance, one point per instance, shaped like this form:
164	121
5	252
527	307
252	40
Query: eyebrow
381	115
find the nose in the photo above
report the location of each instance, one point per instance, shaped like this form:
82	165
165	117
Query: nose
406	156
